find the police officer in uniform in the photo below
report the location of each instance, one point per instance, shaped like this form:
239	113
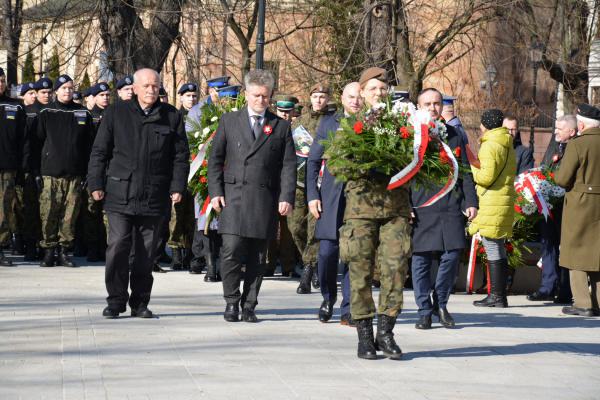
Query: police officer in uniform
195	114
376	229
66	131
125	88
13	158
302	222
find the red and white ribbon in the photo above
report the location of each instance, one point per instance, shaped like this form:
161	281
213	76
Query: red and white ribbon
452	179
475	243
538	198
197	162
321	172
421	140
203	212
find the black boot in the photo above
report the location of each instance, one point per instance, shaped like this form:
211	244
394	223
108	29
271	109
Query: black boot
497	297
385	337
315	279
5	262
64	260
177	259
304	286
211	270
48	259
187	259
18	247
31	252
197	265
366	342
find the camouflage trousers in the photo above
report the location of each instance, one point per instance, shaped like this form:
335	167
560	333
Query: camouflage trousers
282	247
7	193
27	210
182	223
365	243
60	202
94	228
302	226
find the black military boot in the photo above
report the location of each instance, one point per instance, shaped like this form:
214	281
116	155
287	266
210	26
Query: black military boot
48	259
18	247
63	259
177	259
211	270
385	337
187	259
5	262
366	342
197	265
305	279
315	279
31	251
497	297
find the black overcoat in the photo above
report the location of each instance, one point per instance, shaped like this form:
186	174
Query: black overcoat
138	159
331	193
252	175
441	226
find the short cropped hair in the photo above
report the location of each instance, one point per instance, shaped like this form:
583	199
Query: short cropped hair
259	77
422	92
568	119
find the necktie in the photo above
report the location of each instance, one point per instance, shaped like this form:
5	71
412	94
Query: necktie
256	127
561	148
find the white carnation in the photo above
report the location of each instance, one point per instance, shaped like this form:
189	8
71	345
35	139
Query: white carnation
529	209
214	119
234	109
196	134
206	131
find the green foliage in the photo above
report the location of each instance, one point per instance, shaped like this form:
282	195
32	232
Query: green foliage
28	73
53	71
85	82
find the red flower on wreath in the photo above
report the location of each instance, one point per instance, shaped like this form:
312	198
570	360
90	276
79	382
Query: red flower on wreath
203	179
457	151
481	250
444	156
509	247
520	199
404	132
193	156
518	209
358	127
267	130
204	163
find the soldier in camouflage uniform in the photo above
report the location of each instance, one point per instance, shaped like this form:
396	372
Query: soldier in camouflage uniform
66	131
302	222
376	229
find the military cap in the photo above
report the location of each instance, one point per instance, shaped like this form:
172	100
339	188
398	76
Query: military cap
286	103
99	88
2	71
492	118
187	87
124	81
77	96
229	91
87	92
62	80
219	82
373	73
26	87
43	83
320	88
448	100
588	111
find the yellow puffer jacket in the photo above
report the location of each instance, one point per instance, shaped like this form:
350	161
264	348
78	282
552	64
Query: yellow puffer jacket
495	185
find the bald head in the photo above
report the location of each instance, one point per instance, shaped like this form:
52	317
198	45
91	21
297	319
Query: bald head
351	99
146	85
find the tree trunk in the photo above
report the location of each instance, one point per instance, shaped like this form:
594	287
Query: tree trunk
378	35
12	18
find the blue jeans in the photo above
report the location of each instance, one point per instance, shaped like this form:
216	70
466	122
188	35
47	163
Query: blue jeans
421	276
327	268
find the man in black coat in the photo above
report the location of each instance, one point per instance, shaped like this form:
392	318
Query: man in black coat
138	166
251	177
524	154
327	204
439	229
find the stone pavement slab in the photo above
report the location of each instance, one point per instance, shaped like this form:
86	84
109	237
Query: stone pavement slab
54	344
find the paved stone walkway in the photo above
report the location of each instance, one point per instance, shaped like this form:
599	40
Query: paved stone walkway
54	344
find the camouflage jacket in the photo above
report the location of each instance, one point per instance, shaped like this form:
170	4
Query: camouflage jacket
368	197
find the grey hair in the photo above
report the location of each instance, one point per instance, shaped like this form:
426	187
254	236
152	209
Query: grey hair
568	119
259	77
588	122
139	72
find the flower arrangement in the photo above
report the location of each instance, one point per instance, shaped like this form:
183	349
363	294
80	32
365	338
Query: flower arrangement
388	138
537	193
201	134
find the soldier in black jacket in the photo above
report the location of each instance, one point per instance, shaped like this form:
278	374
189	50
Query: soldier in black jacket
65	130
139	167
13	156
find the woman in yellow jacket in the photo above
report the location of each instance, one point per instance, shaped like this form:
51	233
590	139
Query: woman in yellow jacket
495	188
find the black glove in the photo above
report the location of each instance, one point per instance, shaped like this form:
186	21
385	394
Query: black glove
39	183
83	185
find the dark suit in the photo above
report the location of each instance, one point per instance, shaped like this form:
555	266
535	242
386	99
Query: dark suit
440	228
254	176
137	160
333	204
524	155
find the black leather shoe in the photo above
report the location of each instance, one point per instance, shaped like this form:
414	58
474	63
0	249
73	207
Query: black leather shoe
315	280
584	312
305	279
563	300
142	312
424	322
64	260
248	315
326	310
347	320
539	296
232	312
109	312
446	319
157	268
48	259
5	262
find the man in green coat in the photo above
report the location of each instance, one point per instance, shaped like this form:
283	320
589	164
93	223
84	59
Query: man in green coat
580	250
